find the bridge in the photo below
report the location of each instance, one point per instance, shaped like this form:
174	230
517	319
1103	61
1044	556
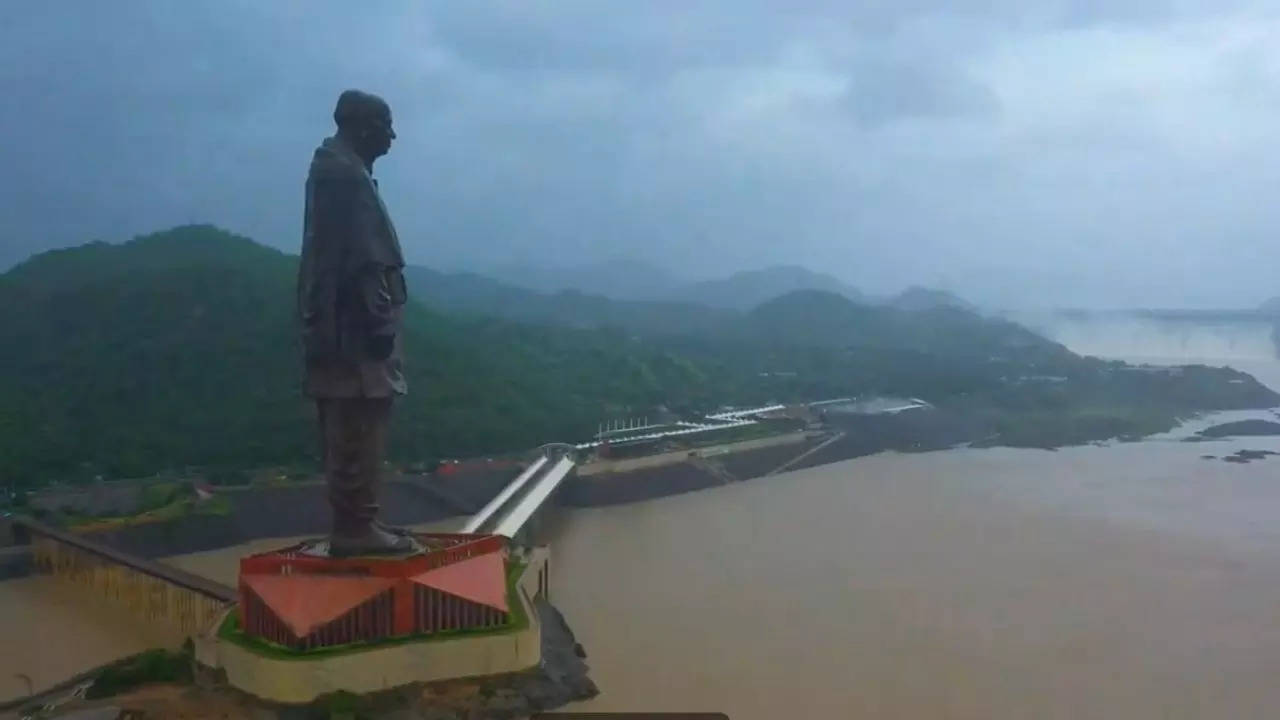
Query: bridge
509	513
153	591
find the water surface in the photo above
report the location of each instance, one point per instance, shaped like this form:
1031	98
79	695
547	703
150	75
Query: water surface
1128	581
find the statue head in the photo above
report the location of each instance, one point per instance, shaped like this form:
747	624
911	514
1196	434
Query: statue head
364	120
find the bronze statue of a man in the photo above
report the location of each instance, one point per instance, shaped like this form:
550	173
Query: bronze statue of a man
351	293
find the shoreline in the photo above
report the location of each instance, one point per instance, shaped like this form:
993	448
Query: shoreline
301	509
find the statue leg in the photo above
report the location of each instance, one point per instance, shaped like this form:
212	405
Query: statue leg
377	422
376	416
349	495
354	437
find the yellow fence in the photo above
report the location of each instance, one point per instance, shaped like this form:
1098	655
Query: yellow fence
147	596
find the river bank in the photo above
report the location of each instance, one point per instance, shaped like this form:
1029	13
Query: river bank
298	509
1100	402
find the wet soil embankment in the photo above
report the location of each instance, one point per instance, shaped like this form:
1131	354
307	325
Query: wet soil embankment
303	509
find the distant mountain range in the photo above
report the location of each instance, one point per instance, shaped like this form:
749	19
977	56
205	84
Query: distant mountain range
633	280
618	279
638	296
471	294
747	289
918	298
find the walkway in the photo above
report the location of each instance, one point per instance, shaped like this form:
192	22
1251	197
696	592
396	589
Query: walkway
510	510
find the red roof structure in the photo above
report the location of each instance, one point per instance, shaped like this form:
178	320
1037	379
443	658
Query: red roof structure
305	602
481	579
300	598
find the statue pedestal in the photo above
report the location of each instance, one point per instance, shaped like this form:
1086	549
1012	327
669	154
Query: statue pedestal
299	598
309	625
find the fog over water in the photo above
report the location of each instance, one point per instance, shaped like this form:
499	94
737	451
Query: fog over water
1143	340
1128	337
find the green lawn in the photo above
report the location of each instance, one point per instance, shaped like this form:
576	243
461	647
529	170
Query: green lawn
175	510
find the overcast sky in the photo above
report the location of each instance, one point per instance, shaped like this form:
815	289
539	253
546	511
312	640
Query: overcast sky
1019	152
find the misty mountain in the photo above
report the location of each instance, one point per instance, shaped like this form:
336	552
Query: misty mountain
634	280
472	294
181	349
917	298
1270	307
931	321
618	279
747	289
813	317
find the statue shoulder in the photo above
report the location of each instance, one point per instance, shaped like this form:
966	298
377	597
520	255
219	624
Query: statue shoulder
327	163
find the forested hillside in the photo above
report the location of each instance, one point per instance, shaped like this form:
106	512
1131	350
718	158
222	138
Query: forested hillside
180	349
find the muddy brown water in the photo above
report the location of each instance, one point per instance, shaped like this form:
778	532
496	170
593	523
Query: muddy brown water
1126	581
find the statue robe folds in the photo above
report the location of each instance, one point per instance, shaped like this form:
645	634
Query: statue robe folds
351	294
351	286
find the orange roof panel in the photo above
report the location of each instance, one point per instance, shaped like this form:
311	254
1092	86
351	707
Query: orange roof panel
481	579
305	602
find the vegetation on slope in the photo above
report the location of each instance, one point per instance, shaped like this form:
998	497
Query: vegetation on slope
180	349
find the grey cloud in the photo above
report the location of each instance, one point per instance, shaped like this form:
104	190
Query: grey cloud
893	143
881	94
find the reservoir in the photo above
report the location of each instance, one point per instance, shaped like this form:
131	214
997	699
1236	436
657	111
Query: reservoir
1129	580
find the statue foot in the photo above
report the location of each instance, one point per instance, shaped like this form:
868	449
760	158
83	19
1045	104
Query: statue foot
393	529
376	541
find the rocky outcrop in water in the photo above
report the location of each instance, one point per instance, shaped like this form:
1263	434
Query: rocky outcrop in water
1242	428
1245	456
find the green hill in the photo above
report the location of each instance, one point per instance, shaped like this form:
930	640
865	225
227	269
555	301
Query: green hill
471	294
747	289
180	349
800	317
920	298
815	317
